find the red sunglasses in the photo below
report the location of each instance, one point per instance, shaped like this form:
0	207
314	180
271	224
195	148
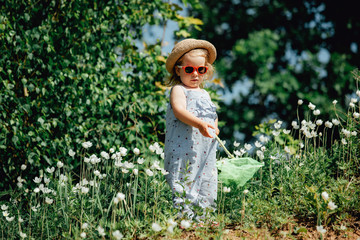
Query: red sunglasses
190	69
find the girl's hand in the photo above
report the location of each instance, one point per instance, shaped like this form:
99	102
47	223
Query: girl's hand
217	131
204	129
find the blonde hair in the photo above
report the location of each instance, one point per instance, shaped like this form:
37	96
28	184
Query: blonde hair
174	79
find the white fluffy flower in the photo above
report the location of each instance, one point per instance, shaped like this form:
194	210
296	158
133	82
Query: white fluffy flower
50	170
246	191
140	160
83	235
328	124
135	171
356	115
22	235
258	144
248	146
295	125
117	235
123	151
105	155
101	231
120	196
156	227
85	225
311	106
59	164
49	200
275	133
320	229
71	153
226	189
149	172
4	207
331	205
185	224
37	179
316	112
86	145
23	167
286	131
325	196
136	151
319	122
300	102
334	102
335	122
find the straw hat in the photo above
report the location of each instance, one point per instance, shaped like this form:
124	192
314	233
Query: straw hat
185	46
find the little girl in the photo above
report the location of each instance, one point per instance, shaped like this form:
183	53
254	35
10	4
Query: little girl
191	122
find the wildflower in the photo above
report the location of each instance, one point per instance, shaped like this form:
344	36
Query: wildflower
4	207
101	231
335	122
97	173
311	106
86	145
185	224
46	180
353	100
226	189
111	150
237	153
316	112
50	170
275	133
49	200
263	139
23	167
354	133
325	196
334	102
22	235
124	170
164	172
246	191
263	148
59	164
248	146
83	235
295	125
135	171
20	220
71	153
140	160
84	190
346	132
319	122
320	229
85	225
105	155
342	227
331	205
286	131
120	196
300	102
328	124
351	104
278	125
171	222
149	172
10	219
117	235
258	144
136	151
260	154
236	144
86	160
5	213
356	115
94	159
156	227
123	151
37	179
358	93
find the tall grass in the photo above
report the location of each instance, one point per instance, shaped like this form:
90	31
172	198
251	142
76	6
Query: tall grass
122	193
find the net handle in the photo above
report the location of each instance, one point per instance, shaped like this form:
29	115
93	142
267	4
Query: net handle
223	146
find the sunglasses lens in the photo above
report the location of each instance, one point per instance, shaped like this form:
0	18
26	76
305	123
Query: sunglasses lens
202	70
189	69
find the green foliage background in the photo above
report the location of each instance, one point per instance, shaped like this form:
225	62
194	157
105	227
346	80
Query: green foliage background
72	71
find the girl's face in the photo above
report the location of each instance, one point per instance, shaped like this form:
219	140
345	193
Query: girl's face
194	79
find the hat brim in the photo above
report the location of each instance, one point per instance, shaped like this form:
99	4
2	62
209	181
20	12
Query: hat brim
185	46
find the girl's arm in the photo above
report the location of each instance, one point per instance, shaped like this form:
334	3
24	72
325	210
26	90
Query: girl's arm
178	104
217	131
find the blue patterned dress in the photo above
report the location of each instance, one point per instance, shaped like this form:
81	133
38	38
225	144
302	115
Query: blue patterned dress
190	157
